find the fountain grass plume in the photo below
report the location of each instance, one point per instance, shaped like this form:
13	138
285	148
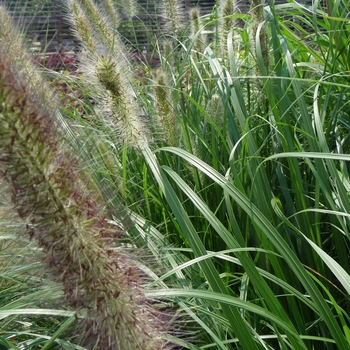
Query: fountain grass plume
109	72
227	25
81	26
173	17
215	109
12	43
258	17
196	30
103	31
120	107
128	8
111	13
62	215
166	113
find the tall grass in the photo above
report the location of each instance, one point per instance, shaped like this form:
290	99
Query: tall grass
227	171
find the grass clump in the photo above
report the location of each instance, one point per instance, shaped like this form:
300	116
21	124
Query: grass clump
236	195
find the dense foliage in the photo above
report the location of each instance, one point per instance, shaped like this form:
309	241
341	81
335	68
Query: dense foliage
221	154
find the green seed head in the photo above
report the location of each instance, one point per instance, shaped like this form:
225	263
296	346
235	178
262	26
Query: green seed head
121	107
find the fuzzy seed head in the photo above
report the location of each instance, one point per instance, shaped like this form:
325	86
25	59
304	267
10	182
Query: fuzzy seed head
128	8
257	9
120	104
258	16
165	112
110	13
102	30
173	16
196	28
63	216
215	109
82	29
227	25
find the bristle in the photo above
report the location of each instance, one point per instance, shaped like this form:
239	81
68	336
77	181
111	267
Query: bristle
111	13
128	8
173	17
196	30
227	25
82	28
166	113
63	216
258	17
119	106
103	30
215	109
